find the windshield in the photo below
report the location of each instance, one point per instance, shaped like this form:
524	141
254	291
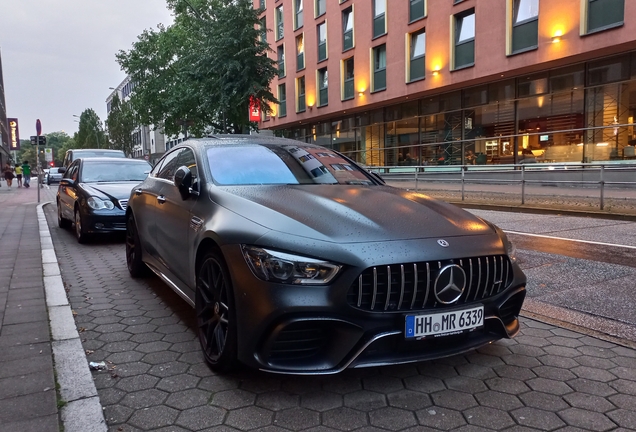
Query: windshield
113	172
259	164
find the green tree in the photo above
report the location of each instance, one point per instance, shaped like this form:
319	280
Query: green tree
202	69
121	125
58	141
91	131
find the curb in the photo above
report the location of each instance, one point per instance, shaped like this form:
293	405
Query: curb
83	410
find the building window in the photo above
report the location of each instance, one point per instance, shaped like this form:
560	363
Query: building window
301	103
417	10
603	14
262	4
348	90
379	68
263	30
323	87
379	17
321	7
280	54
347	28
322	41
282	100
300	52
298	15
280	25
525	25
417	55
464	39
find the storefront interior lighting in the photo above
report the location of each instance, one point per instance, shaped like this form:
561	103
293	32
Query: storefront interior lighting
603	144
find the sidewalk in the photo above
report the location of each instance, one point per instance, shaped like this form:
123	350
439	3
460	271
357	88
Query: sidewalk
37	328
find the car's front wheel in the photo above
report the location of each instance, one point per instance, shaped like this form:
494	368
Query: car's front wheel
215	313
136	267
80	232
61	221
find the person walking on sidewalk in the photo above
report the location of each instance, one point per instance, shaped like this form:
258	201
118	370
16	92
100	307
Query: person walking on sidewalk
26	172
8	174
18	174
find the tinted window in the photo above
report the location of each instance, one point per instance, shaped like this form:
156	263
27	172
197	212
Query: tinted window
186	158
289	164
169	166
113	172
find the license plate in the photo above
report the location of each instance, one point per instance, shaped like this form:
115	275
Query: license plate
444	323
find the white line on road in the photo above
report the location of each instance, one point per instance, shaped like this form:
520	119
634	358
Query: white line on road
572	240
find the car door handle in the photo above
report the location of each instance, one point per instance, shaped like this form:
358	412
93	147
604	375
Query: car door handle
161	199
138	191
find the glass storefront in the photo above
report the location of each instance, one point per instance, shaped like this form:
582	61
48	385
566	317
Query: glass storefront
580	113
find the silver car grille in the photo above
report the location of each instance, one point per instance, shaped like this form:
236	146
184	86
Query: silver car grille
408	287
123	204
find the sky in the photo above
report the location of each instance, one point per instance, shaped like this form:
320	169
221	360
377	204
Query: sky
58	56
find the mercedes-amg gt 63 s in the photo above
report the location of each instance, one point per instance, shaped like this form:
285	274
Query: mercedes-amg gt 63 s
298	260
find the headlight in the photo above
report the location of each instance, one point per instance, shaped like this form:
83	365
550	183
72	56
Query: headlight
286	268
511	250
100	204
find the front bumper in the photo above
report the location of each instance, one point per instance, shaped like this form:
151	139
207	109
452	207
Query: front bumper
104	221
316	330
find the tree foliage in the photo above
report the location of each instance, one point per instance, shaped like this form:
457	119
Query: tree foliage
91	131
121	125
202	69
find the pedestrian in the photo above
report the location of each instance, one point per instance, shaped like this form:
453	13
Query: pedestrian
8	174
26	172
18	174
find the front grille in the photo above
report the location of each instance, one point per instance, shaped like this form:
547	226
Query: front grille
123	204
300	340
408	287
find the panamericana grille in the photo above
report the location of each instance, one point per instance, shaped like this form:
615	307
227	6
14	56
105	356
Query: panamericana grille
123	204
407	287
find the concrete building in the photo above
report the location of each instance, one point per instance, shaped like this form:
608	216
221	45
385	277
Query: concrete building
4	125
402	82
149	143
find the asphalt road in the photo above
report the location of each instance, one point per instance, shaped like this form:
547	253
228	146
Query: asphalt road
570	369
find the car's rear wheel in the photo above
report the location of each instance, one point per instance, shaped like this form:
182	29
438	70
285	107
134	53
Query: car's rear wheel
136	267
61	221
215	313
80	232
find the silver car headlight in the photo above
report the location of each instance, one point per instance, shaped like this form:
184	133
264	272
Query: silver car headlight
281	267
99	204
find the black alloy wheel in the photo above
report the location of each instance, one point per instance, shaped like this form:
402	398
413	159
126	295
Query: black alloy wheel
136	267
80	233
215	313
61	221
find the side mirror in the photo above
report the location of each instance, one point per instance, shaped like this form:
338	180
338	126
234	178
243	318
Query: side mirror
183	181
67	182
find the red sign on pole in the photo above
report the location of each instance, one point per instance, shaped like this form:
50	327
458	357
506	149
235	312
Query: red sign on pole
255	109
38	127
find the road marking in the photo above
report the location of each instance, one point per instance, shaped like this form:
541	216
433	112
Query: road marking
572	240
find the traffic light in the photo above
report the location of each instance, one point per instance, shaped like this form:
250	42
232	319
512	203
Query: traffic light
51	164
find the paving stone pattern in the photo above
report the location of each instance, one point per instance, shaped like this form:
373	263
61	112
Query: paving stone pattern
547	379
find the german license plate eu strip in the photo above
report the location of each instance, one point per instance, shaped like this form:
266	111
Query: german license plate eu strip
444	323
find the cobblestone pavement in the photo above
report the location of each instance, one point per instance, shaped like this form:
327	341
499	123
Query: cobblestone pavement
548	378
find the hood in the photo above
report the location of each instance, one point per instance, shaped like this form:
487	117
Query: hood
350	214
118	191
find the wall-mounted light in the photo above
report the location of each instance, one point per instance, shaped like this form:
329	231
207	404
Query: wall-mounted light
436	70
361	92
556	37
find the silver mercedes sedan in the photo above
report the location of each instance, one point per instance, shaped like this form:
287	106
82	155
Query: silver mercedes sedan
297	260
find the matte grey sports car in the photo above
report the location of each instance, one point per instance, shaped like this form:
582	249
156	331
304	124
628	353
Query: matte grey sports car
297	260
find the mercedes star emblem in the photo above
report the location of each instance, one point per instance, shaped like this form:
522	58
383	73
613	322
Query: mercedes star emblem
442	243
450	284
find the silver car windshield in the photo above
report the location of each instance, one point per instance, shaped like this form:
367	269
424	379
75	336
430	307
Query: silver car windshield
260	164
114	172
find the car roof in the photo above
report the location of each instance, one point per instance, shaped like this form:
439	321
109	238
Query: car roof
111	159
222	140
96	150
